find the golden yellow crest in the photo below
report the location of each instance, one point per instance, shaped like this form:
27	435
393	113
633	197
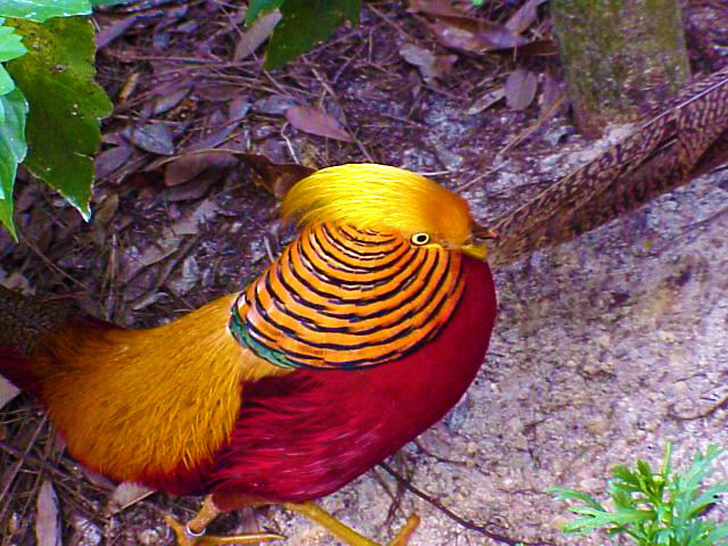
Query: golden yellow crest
381	198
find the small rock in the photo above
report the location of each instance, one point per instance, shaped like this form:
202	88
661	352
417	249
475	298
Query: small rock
275	105
85	532
150	537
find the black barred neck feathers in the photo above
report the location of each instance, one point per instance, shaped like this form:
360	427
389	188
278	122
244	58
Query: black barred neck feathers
341	297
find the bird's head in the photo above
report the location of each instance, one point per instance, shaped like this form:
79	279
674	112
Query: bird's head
387	199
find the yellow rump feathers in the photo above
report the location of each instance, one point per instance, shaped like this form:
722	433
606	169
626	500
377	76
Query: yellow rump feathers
381	198
139	403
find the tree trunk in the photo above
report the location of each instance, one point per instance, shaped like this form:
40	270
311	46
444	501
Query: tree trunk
622	58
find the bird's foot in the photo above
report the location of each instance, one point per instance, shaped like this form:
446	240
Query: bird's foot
186	536
407	530
346	533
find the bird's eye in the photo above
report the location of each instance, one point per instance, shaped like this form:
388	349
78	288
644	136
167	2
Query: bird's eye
419	239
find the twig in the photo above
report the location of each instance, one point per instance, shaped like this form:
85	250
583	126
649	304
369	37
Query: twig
13	472
560	100
467	524
28	241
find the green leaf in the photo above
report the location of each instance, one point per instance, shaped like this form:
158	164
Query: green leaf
259	7
709	496
12	152
11	47
110	2
56	76
719	534
646	514
306	23
41	10
562	493
626	480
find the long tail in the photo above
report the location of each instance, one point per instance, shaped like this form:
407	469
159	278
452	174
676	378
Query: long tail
687	139
23	321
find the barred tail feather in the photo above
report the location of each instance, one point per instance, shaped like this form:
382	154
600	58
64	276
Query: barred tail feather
23	320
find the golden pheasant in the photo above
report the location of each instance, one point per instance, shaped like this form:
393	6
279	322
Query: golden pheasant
362	334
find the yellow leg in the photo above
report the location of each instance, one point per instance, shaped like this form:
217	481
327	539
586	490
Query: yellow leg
347	534
193	534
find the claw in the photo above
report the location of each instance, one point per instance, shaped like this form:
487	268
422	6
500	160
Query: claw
188	537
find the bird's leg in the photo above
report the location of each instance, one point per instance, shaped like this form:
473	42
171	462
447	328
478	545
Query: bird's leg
193	533
347	534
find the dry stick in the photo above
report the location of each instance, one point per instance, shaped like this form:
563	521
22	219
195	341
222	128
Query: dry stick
26	458
28	241
12	474
175	260
672	413
346	65
396	496
703	223
467	524
110	277
289	145
543	118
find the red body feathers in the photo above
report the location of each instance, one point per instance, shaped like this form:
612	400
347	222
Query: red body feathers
365	332
307	434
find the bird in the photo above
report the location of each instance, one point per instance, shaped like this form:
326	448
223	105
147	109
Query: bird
364	332
366	329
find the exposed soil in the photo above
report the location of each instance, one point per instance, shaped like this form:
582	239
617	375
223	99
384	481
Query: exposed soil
606	348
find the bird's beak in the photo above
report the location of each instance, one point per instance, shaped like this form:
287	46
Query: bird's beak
477	248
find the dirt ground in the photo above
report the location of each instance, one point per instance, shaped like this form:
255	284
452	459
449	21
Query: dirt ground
606	348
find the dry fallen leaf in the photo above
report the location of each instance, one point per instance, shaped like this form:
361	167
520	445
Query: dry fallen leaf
152	137
434	7
194	189
188	166
86	532
110	33
239	108
106	210
189	277
164	247
8	391
317	122
520	89
474	35
110	160
125	495
130	84
431	66
524	17
274	105
97	479
486	101
254	37
167	100
47	524
16	281
550	92
277	178
212	139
